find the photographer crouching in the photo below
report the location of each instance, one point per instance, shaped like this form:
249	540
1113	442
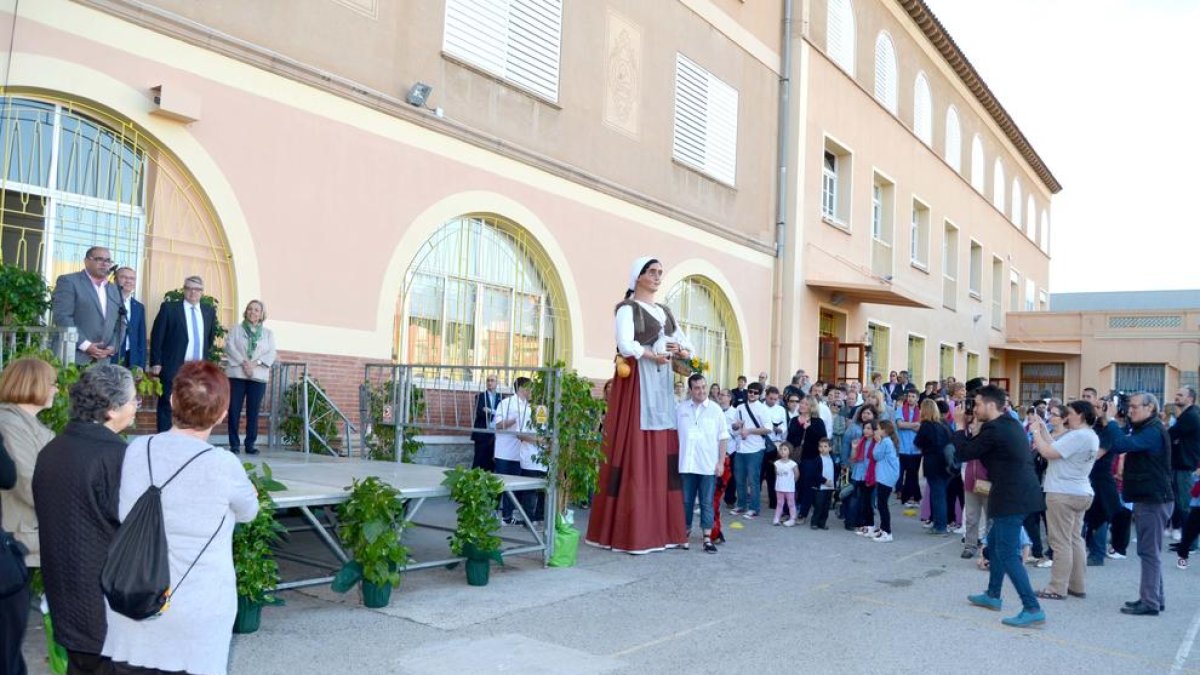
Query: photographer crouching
999	442
1147	485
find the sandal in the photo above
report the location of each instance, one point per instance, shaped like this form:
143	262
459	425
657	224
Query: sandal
1050	595
709	547
1080	595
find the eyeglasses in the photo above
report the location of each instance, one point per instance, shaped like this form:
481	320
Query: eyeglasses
193	288
752	393
103	260
793	400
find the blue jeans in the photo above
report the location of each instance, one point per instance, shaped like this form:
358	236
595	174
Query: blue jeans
694	485
937	500
747	473
1096	537
1004	556
508	467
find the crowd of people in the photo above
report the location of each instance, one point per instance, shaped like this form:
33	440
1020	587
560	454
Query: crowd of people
1041	488
63	497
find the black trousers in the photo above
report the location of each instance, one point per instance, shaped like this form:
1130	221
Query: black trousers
954	496
910	485
250	394
866	509
533	501
485	453
83	663
730	490
882	493
1191	530
810	480
121	668
162	413
1033	527
1121	524
14	615
821	500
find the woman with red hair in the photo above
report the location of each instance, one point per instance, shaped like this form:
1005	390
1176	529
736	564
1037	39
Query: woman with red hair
200	505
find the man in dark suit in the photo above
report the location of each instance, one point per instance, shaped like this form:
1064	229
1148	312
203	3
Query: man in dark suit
182	331
87	301
133	351
485	409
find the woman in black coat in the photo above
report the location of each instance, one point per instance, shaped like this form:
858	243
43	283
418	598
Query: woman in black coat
76	491
932	438
14	610
804	434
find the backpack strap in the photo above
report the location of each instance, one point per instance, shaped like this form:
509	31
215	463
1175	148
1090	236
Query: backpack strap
201	553
177	471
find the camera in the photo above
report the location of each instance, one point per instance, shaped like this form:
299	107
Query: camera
970	405
1120	399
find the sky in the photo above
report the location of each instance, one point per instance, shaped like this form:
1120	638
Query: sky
1108	94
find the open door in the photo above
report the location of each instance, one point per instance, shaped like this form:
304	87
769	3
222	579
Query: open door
851	361
827	358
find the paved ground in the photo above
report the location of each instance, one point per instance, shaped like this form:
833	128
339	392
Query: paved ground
774	600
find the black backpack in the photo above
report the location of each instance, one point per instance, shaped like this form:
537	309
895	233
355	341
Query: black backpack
136	578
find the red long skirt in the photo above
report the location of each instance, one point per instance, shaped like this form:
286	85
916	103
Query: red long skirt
638	505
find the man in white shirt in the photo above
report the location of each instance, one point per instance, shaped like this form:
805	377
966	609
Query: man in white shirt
826	413
513	427
730	412
751	427
703	441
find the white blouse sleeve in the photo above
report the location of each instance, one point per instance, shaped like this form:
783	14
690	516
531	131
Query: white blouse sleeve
626	345
682	339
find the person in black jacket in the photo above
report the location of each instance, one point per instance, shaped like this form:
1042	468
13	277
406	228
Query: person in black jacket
76	491
1000	443
182	331
14	610
804	433
1147	484
485	441
1185	454
932	438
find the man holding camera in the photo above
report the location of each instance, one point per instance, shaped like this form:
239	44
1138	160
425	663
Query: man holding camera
1147	484
999	442
1185	455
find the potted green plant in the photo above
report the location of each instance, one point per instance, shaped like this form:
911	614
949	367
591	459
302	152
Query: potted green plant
372	522
575	425
253	561
474	538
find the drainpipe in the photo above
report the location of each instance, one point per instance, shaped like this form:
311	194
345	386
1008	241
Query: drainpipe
781	190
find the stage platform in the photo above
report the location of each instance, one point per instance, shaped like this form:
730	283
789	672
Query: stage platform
315	483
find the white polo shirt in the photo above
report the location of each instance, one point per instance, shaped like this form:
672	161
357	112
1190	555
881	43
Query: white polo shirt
776	420
701	429
731	416
753	442
508	446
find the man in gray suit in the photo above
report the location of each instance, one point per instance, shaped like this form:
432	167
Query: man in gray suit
87	301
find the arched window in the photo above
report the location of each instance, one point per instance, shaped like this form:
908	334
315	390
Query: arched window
1030	219
707	319
923	110
840	34
1016	204
977	163
75	175
953	140
1044	234
885	72
482	292
998	185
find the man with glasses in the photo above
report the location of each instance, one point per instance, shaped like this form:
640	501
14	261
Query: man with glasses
751	427
88	302
183	331
1147	484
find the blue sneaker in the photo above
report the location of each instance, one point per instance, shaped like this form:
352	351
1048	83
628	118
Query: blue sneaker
1025	619
985	601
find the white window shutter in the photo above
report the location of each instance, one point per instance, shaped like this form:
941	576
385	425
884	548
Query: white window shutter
706	114
953	140
840	34
516	40
885	72
923	110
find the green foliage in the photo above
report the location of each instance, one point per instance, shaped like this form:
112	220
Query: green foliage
24	297
218	348
320	415
476	492
253	560
146	386
381	440
576	423
372	522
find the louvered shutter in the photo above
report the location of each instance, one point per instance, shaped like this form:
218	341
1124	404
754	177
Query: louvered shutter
923	110
720	157
839	34
516	40
706	113
885	72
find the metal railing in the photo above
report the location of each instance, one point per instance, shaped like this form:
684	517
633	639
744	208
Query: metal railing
298	402
60	341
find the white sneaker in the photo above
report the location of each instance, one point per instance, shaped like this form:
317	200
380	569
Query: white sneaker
1045	563
867	532
1113	555
962	529
883	538
1176	535
790	522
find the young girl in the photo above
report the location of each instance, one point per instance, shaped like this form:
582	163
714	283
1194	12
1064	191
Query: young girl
887	473
786	473
861	472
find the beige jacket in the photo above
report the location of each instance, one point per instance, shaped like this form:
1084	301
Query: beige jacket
24	437
236	344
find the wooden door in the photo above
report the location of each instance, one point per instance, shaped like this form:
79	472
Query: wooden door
827	359
851	361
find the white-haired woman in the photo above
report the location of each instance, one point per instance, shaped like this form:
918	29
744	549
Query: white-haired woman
250	351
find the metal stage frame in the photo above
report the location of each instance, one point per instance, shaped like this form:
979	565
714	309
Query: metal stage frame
316	481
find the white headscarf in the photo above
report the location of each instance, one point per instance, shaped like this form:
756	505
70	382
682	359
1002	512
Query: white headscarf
636	271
